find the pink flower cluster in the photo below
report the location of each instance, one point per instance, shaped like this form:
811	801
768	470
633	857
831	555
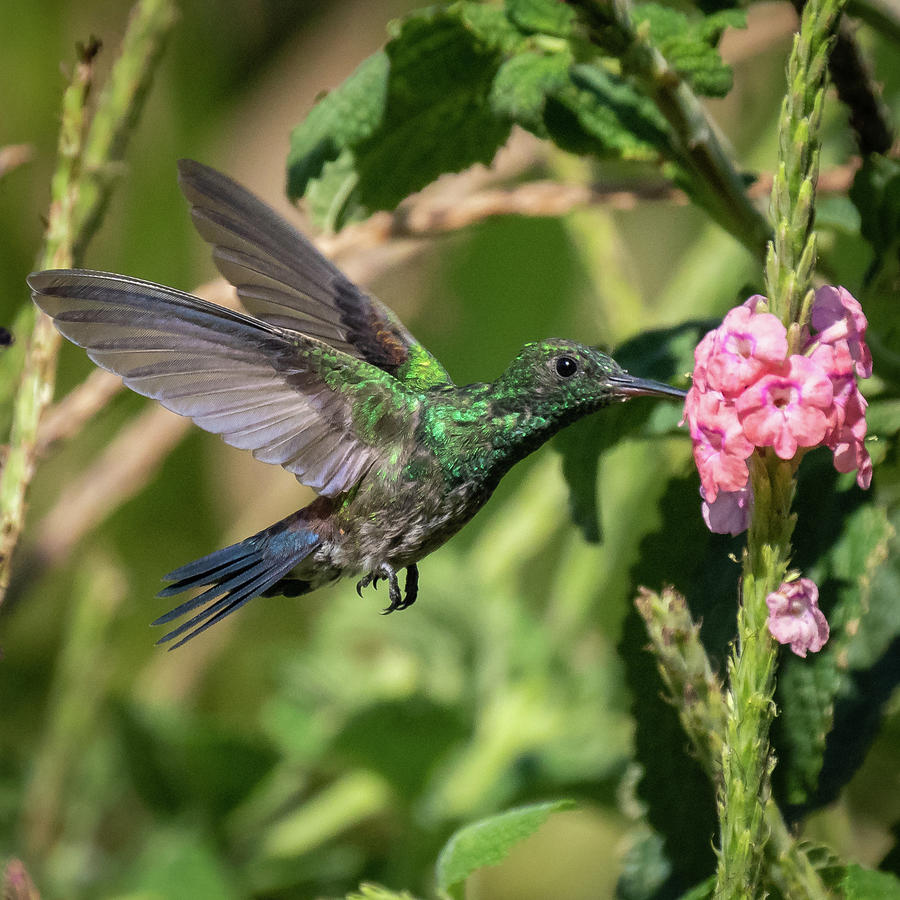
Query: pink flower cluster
749	392
795	617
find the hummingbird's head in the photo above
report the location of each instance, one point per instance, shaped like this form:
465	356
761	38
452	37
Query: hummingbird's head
563	380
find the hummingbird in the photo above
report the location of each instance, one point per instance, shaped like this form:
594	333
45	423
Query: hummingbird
323	379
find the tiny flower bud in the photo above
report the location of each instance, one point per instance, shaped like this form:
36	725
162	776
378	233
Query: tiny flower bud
795	617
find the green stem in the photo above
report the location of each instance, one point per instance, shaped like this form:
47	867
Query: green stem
39	362
714	182
78	195
697	695
746	758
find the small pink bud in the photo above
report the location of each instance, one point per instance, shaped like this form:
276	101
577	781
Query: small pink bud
730	512
795	617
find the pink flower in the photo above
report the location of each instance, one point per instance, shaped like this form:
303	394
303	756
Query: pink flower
747	345
795	617
789	409
747	393
833	359
702	353
730	512
846	439
837	316
720	446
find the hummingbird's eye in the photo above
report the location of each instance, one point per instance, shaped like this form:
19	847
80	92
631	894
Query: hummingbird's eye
566	367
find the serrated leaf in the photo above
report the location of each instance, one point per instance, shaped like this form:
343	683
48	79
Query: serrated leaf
410	113
672	780
865	884
831	703
621	121
331	196
543	16
523	83
489	841
491	25
645	866
438	117
689	44
876	194
340	119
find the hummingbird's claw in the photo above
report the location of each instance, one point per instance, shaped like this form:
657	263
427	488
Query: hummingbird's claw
365	581
385	572
409	595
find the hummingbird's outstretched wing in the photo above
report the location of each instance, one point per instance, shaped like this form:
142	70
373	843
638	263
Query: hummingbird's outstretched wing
281	278
293	400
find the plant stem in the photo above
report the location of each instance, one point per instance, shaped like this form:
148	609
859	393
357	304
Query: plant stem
714	182
79	192
39	363
697	695
746	757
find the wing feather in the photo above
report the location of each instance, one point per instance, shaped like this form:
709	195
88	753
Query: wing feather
282	279
287	397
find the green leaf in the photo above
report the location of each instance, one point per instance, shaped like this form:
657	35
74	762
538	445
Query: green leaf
491	25
408	114
544	16
524	82
689	44
864	884
488	842
831	703
619	120
645	866
341	119
876	194
672	780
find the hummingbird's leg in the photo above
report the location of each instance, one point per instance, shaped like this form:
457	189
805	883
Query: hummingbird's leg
387	572
412	586
365	581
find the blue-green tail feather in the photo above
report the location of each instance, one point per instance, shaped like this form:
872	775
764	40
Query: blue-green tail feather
235	575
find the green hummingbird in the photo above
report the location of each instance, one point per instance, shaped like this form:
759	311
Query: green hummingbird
322	379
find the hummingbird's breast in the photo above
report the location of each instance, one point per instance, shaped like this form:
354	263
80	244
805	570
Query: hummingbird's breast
418	498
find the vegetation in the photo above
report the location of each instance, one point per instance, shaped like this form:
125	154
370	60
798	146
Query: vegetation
576	706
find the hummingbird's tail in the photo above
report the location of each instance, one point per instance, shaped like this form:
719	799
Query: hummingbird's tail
236	574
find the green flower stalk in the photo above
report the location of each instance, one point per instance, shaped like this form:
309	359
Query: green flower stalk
746	758
80	189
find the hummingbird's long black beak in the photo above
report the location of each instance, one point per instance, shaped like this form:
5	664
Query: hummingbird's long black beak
626	385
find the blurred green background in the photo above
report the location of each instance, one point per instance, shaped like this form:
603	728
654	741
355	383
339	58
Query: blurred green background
303	746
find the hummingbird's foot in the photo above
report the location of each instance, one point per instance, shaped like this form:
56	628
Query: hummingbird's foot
412	586
389	574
